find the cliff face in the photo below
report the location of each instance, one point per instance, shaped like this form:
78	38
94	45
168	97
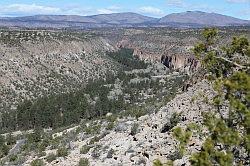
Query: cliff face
180	62
168	47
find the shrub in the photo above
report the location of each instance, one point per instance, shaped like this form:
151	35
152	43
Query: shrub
41	154
157	163
13	158
94	140
95	153
110	153
84	162
4	150
110	126
37	162
93	129
62	152
175	119
51	157
10	139
183	136
134	129
36	136
85	149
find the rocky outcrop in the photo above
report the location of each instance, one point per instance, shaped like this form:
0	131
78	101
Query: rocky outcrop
155	47
180	62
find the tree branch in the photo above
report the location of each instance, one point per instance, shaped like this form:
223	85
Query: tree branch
229	61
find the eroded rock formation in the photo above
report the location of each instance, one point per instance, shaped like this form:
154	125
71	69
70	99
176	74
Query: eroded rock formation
184	62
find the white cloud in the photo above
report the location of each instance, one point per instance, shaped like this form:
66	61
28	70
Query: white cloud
105	11
176	3
23	9
109	10
75	10
151	10
238	1
34	9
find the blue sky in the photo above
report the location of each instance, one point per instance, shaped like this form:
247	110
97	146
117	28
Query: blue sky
155	8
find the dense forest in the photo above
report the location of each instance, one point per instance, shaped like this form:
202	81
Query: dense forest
125	57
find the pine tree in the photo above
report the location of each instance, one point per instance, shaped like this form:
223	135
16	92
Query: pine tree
228	142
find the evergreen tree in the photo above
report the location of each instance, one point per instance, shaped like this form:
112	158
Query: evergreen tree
228	142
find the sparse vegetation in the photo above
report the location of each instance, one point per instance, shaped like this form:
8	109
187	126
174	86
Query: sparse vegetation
85	149
110	154
4	148
62	152
134	129
183	136
37	162
50	157
83	162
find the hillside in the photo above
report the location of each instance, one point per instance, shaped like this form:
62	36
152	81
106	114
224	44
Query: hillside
180	20
139	141
202	19
37	63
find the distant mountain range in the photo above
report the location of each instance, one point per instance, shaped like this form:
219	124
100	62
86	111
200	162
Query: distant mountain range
189	19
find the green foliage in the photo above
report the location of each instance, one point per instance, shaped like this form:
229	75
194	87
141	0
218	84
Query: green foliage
36	136
135	112
134	129
92	100
62	152
183	136
84	162
85	149
94	140
126	58
200	47
239	45
51	157
13	158
210	155
10	139
4	149
92	129
175	119
229	134
110	126
209	34
37	162
157	163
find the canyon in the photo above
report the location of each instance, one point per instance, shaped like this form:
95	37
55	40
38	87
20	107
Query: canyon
36	63
110	96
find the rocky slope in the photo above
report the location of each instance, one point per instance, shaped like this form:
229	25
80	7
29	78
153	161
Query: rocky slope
151	140
35	63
